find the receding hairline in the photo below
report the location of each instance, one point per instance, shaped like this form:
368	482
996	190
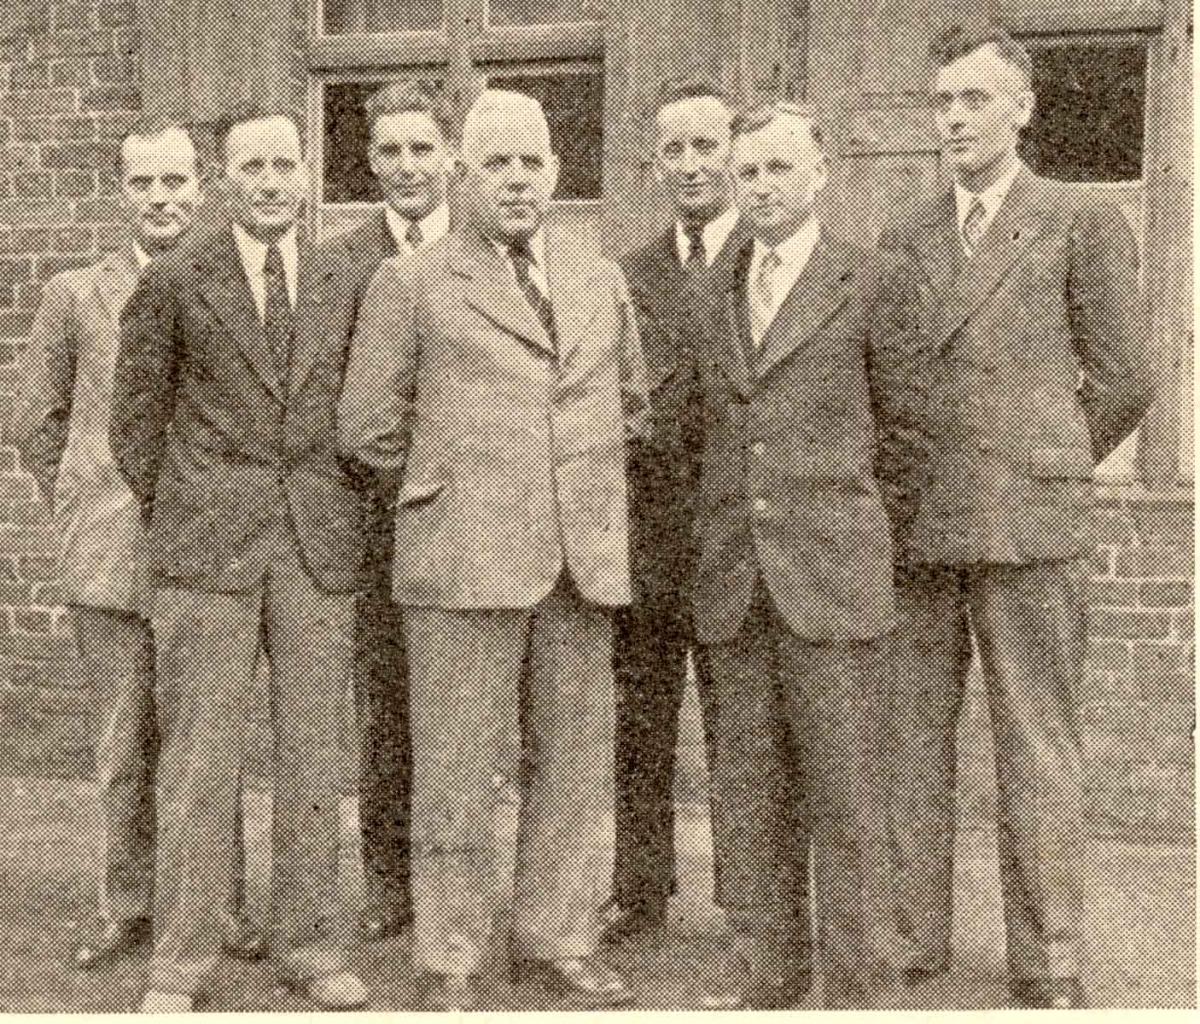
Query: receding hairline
994	49
149	134
509	103
707	99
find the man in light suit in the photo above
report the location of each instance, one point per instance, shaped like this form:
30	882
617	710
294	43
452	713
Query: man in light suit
61	425
231	358
1027	365
652	637
411	158
793	595
497	376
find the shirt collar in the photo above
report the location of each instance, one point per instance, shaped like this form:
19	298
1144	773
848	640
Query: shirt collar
254	251
796	250
714	233
537	248
140	257
991	197
433	225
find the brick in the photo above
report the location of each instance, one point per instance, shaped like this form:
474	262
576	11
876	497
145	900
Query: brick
1140	720
33	185
41	696
112	97
1112	592
1153	562
18	158
1183	626
74	128
33	620
9	352
38	103
1106	687
15	323
28	514
1165	523
28	647
33	75
15	593
73	14
1164	686
36	568
1165	593
105	208
1102	561
115	69
114	13
72	44
1129	624
74	239
31	239
90	155
75	184
110	237
1114	527
74	72
5	132
8	569
115	123
50	594
48	745
22	212
17	488
56	263
29	295
1107	656
1148	659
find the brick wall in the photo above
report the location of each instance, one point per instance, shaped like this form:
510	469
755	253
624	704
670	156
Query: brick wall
68	87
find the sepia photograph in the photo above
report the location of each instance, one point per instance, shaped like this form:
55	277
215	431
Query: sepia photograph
596	505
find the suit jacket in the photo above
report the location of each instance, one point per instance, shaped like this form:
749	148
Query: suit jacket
216	448
61	428
664	472
510	460
1025	365
788	491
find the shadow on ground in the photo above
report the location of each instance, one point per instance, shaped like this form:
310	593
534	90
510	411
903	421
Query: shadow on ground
1141	922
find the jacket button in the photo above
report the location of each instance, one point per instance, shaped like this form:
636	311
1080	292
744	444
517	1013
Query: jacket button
760	505
758	448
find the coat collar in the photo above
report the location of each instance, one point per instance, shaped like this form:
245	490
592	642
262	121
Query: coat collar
117	274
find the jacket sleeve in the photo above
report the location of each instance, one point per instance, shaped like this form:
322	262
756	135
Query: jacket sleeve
144	384
1108	317
635	401
47	374
374	416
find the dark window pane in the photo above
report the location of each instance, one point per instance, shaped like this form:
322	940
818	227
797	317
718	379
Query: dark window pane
540	12
347	176
349	16
1090	113
574	105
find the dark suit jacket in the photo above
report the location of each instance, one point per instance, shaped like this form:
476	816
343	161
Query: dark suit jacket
788	490
509	452
665	470
1024	366
215	449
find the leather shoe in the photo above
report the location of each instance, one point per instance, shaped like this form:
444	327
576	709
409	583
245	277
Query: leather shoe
241	937
914	976
340	990
113	940
584	980
761	994
446	993
377	923
1048	993
166	1002
621	923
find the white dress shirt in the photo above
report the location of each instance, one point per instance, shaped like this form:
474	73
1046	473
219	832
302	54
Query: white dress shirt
714	234
140	257
254	258
991	199
794	254
433	225
537	269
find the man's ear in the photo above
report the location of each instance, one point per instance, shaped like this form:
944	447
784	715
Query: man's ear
553	169
1025	101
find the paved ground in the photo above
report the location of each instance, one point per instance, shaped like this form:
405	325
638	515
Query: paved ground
1141	923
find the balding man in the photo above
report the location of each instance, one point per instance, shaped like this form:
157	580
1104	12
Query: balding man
497	378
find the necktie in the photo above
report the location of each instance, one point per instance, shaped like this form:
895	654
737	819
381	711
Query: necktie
413	236
278	322
696	256
762	296
972	227
522	259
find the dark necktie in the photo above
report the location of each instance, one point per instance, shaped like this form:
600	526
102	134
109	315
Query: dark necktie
522	259
413	236
696	256
278	322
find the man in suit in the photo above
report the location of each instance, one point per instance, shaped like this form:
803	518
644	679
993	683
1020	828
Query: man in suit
1027	365
61	426
653	636
793	592
231	358
496	376
410	156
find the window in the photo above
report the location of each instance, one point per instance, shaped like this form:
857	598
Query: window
551	49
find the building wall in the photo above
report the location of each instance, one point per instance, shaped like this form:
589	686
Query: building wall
69	84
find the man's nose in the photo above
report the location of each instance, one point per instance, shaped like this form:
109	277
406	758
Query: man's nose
690	161
407	163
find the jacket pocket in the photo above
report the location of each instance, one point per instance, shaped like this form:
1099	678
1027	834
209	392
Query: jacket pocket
1060	464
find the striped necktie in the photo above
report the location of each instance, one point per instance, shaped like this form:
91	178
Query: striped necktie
522	259
972	226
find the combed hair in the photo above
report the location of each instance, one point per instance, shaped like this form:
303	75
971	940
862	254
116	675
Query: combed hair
959	40
758	117
150	127
244	112
498	101
409	95
675	90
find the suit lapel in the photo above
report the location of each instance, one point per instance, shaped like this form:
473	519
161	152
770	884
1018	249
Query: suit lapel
373	241
224	287
573	297
314	314
822	288
732	352
116	280
492	290
1016	226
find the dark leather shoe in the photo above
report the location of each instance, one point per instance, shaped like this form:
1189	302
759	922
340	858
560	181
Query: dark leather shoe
446	993
1048	994
621	923
914	976
377	923
761	994
584	981
112	940
241	937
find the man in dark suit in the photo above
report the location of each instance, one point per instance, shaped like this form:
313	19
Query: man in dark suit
1027	365
495	376
231	359
410	156
793	592
61	426
652	637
